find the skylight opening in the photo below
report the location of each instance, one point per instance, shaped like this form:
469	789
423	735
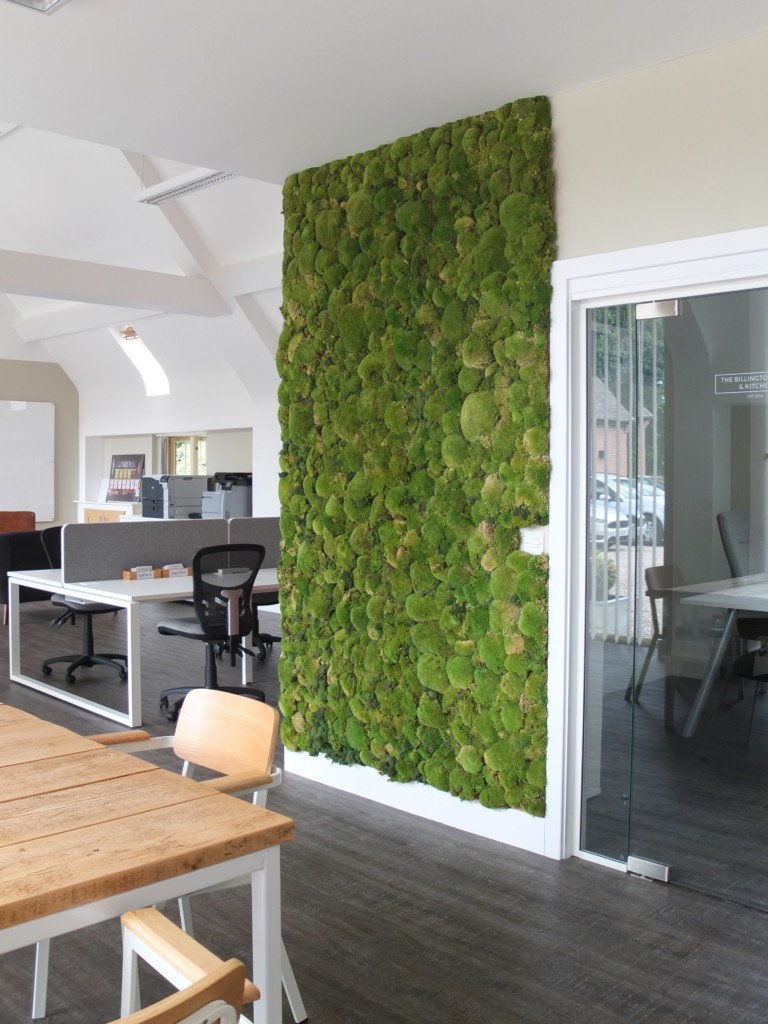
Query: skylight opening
150	370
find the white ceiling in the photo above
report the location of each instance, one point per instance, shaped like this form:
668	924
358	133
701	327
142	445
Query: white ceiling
110	93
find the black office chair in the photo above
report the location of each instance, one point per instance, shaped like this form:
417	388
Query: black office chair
222	583
72	607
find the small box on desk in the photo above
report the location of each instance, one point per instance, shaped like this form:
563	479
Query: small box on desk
176	570
142	574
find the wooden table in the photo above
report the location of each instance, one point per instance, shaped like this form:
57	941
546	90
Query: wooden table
87	833
127	594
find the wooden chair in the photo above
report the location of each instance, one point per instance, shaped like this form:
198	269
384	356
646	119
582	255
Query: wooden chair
224	733
185	963
210	990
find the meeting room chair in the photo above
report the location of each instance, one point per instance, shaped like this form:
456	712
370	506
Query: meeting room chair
746	554
70	607
200	976
236	739
659	581
222	585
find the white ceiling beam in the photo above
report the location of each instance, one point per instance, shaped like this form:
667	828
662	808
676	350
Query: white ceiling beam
256	275
76	319
181	235
52	277
259	322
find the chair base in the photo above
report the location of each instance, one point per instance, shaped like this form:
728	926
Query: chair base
180	692
118	662
263	643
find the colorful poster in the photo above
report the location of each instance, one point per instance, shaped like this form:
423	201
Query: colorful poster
125	478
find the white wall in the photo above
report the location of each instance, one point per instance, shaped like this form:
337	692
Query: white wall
676	151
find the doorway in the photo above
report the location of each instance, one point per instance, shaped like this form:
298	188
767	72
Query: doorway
675	753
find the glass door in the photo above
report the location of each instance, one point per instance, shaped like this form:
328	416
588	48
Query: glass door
675	765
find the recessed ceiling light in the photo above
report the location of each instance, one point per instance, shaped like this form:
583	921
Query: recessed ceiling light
182	185
44	6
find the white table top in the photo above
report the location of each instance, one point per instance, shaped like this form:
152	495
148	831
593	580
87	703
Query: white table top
745	593
166	588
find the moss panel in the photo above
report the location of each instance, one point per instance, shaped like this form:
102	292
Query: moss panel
414	417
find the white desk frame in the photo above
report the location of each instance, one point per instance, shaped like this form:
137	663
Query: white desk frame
264	868
127	594
749	594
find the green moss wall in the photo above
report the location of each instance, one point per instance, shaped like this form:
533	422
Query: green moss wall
414	416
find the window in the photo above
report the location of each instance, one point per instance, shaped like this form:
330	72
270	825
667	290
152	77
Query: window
188	455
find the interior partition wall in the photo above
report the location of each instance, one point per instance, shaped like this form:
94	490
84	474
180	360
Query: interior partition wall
652	439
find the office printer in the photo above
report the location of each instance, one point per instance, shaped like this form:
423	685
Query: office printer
172	496
230	498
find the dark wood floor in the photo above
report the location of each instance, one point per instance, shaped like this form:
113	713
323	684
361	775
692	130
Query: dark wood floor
389	919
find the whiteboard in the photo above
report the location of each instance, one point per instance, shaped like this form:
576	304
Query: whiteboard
27	458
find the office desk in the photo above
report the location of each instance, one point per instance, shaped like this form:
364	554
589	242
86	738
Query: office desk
744	594
87	833
127	594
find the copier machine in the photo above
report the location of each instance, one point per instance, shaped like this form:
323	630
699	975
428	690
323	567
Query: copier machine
230	497
172	496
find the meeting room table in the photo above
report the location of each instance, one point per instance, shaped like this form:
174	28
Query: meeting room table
739	594
88	832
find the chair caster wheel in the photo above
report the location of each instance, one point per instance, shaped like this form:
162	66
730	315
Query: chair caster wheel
69	678
46	670
163	702
122	674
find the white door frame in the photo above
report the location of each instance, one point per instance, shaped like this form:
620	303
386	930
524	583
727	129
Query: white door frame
736	261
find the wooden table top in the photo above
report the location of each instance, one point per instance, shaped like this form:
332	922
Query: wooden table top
81	822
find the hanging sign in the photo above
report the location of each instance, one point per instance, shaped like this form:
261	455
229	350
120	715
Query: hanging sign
741	383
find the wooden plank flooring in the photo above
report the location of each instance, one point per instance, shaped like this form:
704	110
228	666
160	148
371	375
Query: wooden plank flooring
389	919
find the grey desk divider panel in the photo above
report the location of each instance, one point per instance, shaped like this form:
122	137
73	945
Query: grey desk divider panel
101	551
257	530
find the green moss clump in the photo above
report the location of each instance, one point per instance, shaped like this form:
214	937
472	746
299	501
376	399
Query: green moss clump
479	414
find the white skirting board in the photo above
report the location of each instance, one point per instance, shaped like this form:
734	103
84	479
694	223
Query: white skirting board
515	828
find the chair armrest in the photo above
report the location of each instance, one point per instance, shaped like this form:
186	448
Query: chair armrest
151	930
109	739
242	782
133	742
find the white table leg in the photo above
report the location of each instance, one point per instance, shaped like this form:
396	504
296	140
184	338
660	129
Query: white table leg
267	941
133	642
14	630
708	679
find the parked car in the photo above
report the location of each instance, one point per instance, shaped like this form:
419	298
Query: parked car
617	498
612	522
651	501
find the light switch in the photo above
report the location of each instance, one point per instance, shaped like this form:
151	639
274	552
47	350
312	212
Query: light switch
534	540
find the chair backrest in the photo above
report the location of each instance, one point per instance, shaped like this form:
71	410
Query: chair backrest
12	522
22	549
222	581
659	579
51	538
743	550
225	732
216	997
